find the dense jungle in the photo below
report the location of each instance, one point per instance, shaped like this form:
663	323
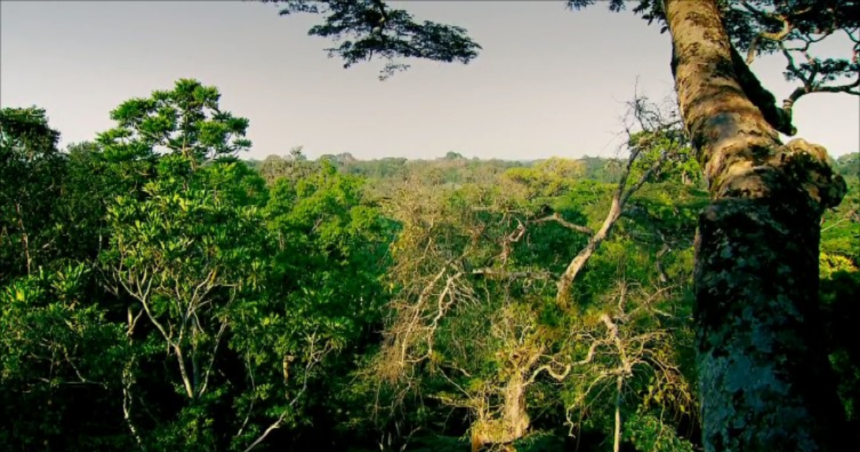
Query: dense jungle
162	291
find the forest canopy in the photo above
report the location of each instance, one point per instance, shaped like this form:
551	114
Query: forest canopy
159	292
695	292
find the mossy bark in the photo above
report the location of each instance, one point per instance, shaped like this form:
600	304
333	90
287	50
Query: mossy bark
514	421
764	379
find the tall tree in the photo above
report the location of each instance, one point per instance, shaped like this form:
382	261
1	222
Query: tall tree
185	121
28	156
763	377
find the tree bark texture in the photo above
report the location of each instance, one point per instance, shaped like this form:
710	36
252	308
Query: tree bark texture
764	379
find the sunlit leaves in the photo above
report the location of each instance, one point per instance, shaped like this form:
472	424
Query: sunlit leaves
184	121
53	339
547	178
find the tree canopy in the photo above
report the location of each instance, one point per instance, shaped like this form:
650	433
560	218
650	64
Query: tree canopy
697	292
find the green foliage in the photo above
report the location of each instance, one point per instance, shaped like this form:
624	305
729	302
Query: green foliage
57	350
178	298
186	121
188	254
848	165
840	229
840	290
681	164
839	269
329	240
324	293
548	178
294	167
32	171
648	432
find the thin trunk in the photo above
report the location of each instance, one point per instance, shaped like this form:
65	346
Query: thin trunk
566	280
183	372
661	272
128	382
764	379
25	238
195	369
617	439
127	401
619	201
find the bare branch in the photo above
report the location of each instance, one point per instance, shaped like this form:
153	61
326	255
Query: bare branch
556	217
314	357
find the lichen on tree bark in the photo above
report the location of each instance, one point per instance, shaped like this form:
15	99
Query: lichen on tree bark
764	379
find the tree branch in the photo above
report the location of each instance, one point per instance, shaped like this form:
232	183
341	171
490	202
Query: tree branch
556	217
778	118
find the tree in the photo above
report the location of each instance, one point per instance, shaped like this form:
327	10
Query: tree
188	257
475	321
28	156
468	297
184	121
474	265
763	377
324	284
294	167
628	342
155	294
58	345
761	367
184	258
59	353
849	165
384	32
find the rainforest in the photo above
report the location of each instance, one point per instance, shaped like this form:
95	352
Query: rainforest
161	289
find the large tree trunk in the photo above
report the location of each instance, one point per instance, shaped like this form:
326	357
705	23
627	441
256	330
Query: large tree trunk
764	379
514	422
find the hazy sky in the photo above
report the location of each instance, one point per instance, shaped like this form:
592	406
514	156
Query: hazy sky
548	82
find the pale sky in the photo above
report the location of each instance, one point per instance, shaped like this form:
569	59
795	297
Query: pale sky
549	82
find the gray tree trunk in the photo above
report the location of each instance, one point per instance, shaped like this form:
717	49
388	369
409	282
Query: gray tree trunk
764	379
